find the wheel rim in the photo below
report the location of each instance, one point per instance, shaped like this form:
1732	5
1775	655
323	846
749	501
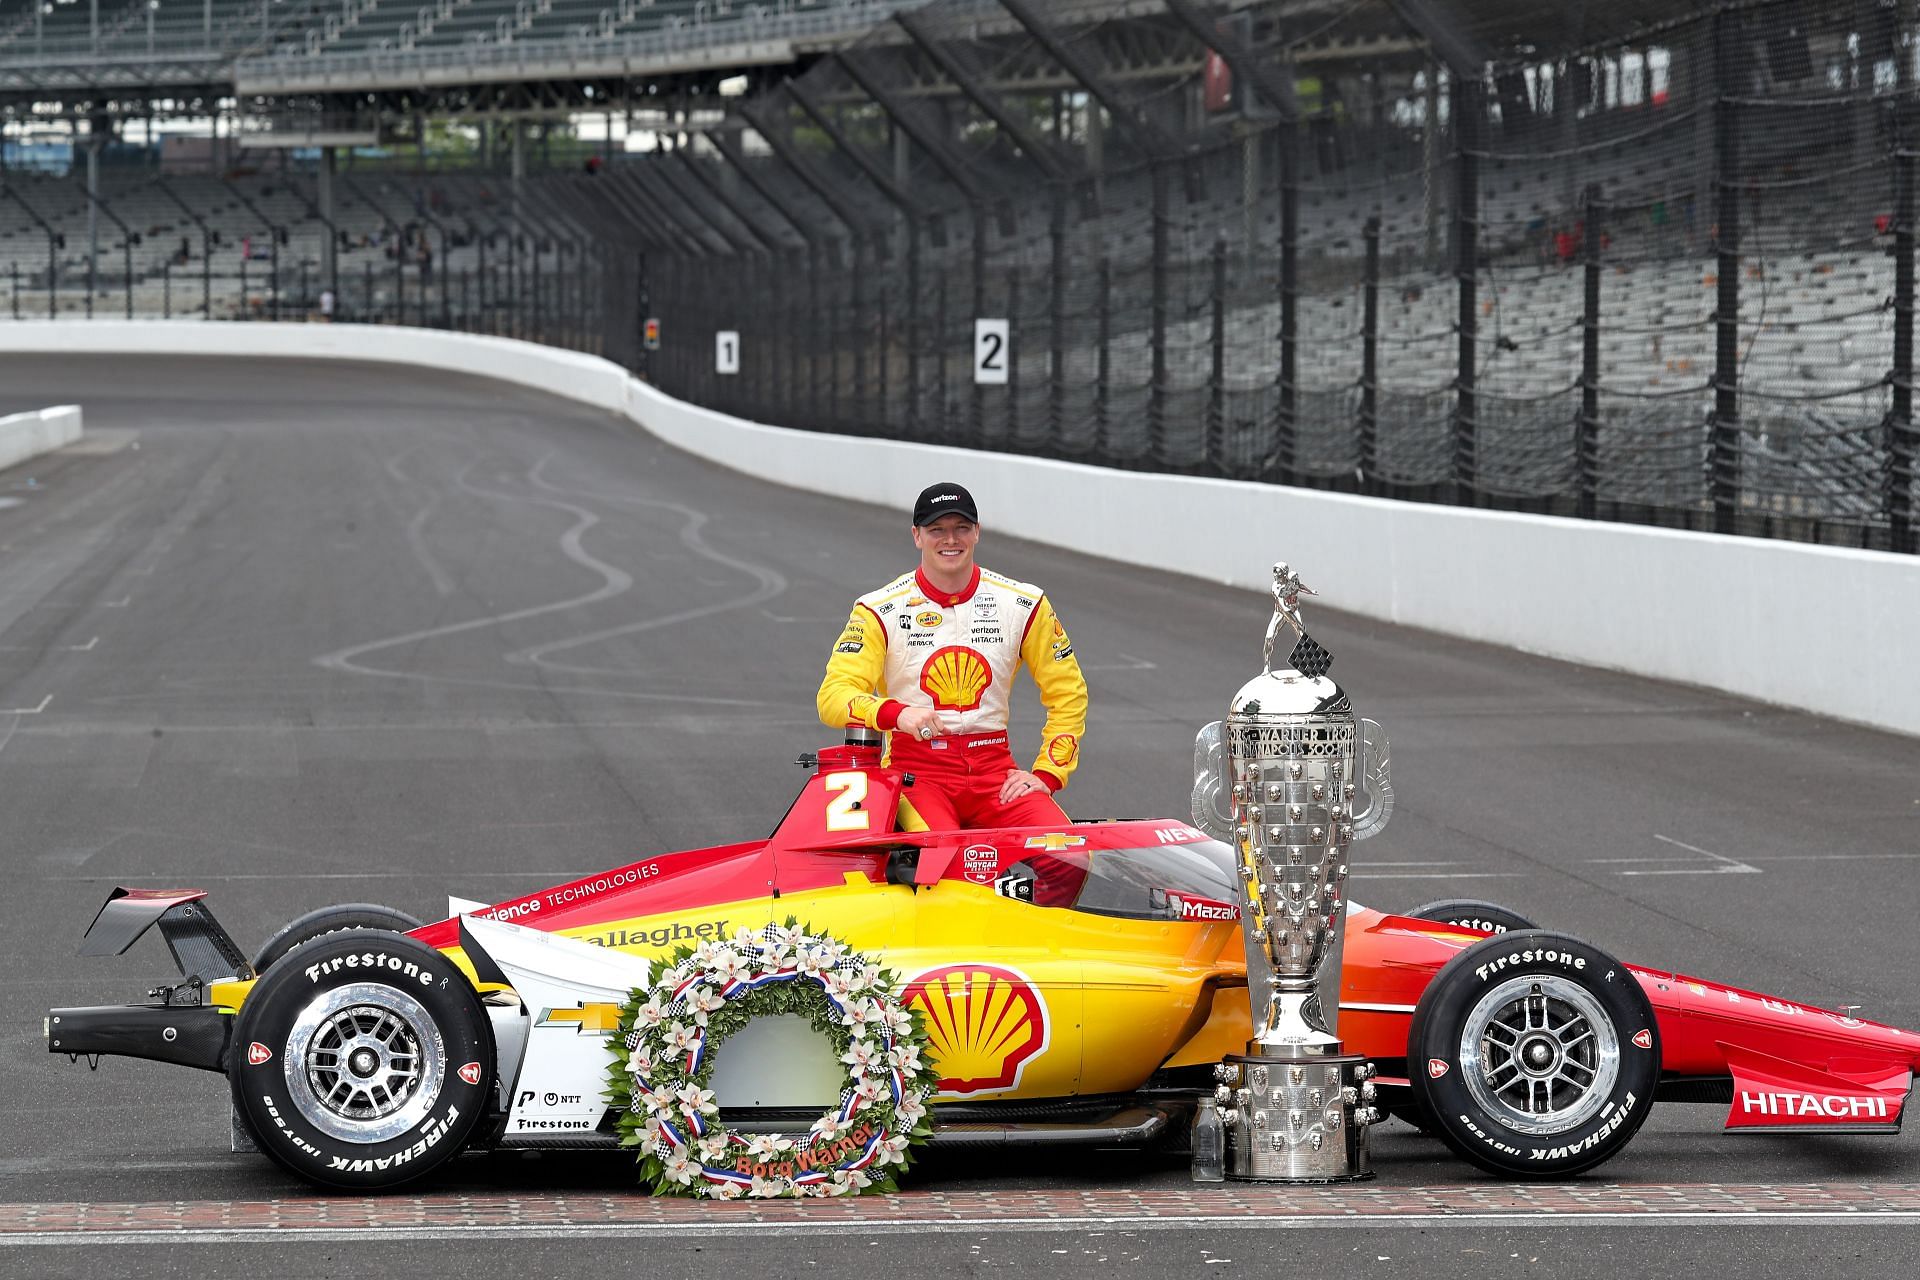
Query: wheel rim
364	1062
1540	1055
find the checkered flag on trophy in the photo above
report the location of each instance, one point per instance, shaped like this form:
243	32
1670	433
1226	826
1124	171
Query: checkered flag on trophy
1310	657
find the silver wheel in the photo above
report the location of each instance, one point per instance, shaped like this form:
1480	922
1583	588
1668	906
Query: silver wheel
364	1062
1540	1054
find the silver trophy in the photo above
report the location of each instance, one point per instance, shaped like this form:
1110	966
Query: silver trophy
1284	780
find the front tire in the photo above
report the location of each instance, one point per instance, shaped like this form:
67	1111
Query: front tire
1472	913
325	920
362	1060
1534	1055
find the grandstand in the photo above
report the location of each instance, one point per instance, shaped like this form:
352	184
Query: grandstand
1650	264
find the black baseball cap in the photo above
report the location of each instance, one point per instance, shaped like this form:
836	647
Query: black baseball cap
943	499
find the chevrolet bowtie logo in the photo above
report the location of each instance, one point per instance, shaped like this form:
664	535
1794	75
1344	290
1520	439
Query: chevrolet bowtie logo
1055	840
591	1019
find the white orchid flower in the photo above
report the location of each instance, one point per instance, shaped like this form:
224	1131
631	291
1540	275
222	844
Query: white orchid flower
693	1100
726	1190
904	1056
767	1188
861	1056
680	1036
765	1146
681	1167
652	1013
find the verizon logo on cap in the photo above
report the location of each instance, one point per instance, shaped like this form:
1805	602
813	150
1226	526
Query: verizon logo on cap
946	497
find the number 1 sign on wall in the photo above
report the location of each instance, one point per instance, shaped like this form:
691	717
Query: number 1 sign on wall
726	351
990	352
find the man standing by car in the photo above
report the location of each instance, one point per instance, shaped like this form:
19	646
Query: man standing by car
932	655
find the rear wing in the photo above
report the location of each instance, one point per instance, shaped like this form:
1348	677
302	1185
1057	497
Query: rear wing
200	947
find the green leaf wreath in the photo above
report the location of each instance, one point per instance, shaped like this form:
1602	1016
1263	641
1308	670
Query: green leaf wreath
671	1029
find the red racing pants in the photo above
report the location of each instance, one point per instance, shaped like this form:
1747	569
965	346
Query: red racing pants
957	781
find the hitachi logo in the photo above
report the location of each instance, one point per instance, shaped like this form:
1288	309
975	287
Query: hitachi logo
1829	1105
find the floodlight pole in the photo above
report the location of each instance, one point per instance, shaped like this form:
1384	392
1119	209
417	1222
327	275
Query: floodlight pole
126	247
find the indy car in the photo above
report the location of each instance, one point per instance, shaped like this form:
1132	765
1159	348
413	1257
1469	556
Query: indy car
1079	984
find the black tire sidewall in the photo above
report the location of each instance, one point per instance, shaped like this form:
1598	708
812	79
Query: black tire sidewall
1481	1138
261	1092
1472	913
325	920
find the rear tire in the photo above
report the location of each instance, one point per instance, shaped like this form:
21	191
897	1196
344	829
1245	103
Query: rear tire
1534	1055
362	1061
1472	913
317	924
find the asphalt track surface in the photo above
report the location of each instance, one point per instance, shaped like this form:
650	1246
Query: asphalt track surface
302	633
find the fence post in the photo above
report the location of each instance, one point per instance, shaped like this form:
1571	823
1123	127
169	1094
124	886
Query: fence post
245	314
1157	390
1287	418
1057	315
1467	106
978	425
1902	444
93	265
1012	416
166	290
883	359
1214	456
913	324
1586	447
1724	465
1103	317
305	307
815	329
856	308
13	270
366	289
940	353
206	276
1370	359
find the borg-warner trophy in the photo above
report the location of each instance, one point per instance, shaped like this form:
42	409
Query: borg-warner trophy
1284	782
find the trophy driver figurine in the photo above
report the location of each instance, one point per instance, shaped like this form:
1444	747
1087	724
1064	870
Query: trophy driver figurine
1294	1106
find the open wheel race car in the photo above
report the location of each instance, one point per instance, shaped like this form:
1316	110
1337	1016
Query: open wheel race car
1078	985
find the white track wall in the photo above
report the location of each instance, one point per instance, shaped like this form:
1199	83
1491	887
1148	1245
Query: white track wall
28	435
1817	628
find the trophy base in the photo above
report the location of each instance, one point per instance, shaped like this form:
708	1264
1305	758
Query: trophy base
1300	1119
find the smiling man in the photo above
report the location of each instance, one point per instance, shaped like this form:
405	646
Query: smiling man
931	656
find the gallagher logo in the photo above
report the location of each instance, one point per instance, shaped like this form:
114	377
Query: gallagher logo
984	1023
258	1053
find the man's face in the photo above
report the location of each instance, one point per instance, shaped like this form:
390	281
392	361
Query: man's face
946	545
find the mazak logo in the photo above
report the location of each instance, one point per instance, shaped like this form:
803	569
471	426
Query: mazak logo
1643	1038
470	1073
984	1024
1436	1067
1207	909
978	862
258	1053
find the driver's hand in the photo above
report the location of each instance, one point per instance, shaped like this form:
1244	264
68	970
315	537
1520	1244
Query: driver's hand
1021	783
922	723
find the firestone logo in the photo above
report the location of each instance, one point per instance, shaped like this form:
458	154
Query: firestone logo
1436	1068
258	1053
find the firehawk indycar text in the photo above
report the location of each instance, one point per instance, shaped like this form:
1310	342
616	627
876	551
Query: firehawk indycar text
1078	984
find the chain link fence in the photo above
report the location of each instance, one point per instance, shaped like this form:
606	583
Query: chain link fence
1664	276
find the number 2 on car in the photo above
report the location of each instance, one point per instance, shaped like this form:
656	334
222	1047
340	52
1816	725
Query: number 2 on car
844	811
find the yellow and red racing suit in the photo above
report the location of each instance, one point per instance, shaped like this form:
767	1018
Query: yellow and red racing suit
911	644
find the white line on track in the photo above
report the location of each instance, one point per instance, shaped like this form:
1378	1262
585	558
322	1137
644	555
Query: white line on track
955	1226
1722	865
28	711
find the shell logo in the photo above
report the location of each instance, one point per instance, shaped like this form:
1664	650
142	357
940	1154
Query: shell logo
984	1024
1063	749
955	677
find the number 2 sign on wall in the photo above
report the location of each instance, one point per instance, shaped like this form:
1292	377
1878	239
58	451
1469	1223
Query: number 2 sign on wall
990	352
726	351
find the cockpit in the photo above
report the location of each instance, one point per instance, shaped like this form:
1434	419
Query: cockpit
1193	881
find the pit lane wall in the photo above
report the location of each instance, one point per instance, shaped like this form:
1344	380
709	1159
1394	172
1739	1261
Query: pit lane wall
1817	628
28	435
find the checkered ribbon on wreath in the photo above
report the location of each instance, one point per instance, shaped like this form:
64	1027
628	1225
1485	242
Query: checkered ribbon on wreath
1309	657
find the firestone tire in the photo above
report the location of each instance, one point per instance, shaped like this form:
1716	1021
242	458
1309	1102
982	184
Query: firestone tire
1472	913
362	1060
317	924
1534	1055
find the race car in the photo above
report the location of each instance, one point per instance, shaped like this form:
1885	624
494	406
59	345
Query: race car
1078	984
